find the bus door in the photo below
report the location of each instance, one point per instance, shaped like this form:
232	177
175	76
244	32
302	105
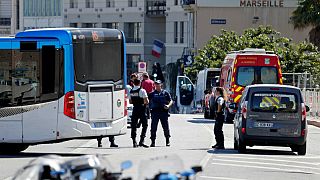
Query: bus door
38	79
10	114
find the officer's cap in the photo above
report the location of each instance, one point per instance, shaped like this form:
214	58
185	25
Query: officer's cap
158	82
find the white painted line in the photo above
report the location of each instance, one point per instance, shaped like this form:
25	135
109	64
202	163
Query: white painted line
222	178
264	163
276	156
208	156
267	159
261	167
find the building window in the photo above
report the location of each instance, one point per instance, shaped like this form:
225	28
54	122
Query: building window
42	8
132	63
74	25
89	4
132	3
5	21
73	3
88	25
175	32
114	25
109	3
176	2
181	32
132	32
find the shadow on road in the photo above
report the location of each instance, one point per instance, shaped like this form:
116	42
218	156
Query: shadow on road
36	154
202	121
252	152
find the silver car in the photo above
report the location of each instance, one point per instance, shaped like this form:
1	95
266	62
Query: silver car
273	115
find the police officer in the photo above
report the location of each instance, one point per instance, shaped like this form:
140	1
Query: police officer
139	98
160	102
111	140
219	108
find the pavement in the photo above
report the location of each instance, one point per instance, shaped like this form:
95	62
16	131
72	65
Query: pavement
314	120
192	138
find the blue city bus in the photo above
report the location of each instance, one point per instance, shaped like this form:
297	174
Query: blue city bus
61	84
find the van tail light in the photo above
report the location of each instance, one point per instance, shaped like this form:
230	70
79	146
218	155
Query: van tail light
304	112
243	130
303	132
125	104
69	109
244	110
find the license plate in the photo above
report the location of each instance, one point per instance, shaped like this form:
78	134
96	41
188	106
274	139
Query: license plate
263	125
101	124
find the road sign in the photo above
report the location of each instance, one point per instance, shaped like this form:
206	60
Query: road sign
142	67
187	60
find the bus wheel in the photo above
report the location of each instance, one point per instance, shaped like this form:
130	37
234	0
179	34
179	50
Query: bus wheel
12	148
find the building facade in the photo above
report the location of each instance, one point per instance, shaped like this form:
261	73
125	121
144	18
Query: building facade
34	14
5	17
211	16
142	21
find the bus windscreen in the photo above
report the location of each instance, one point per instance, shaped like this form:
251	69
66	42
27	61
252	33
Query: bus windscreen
98	61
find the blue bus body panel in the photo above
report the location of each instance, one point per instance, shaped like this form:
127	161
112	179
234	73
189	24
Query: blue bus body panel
63	35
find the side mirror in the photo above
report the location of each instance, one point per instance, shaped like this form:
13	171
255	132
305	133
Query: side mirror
307	108
233	106
197	169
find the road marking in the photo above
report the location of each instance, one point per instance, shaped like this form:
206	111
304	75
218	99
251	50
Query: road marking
262	167
223	178
276	156
9	178
208	156
268	159
265	163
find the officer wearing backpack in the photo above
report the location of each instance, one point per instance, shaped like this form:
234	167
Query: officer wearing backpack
139	98
219	109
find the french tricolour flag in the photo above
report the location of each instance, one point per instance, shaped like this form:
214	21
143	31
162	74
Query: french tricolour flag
157	48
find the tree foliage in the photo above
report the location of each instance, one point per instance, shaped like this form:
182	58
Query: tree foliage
307	14
299	58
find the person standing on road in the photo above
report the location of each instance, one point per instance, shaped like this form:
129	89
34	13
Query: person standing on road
160	102
139	98
148	85
219	106
111	140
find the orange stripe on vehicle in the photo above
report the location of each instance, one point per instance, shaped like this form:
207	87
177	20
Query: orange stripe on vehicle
234	70
281	81
237	98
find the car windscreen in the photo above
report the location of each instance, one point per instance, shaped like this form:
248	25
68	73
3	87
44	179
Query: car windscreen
274	102
256	75
98	61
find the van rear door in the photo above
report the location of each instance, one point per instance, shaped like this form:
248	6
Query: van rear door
274	112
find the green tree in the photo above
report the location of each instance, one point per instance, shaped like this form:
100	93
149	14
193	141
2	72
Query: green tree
308	14
302	57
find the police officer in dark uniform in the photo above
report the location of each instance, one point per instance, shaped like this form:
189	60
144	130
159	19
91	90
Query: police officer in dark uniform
160	102
111	140
219	109
139	98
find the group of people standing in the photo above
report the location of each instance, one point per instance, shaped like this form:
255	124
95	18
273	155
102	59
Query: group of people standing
148	97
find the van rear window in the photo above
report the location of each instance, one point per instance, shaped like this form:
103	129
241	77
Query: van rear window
274	102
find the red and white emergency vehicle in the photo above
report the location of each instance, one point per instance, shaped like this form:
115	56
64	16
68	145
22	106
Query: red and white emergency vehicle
246	67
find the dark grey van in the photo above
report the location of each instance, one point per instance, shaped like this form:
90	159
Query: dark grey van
271	115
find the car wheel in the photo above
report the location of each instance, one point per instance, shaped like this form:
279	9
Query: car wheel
241	147
302	150
235	144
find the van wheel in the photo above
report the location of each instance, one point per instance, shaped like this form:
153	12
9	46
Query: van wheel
241	147
302	150
206	114
228	117
12	148
235	144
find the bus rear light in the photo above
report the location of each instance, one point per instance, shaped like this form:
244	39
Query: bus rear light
69	109
243	130
125	104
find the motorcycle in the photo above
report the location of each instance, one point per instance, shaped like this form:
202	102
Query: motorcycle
169	167
87	167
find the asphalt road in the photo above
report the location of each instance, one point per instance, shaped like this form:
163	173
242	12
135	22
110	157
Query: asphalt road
192	137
